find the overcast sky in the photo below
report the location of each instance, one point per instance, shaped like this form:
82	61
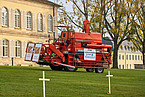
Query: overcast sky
68	5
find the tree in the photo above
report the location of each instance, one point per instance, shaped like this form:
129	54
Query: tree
138	26
82	10
111	16
117	15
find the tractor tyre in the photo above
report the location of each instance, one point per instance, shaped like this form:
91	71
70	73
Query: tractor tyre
99	70
59	68
90	69
70	69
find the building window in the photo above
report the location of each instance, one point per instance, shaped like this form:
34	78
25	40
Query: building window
127	66
130	66
129	57
122	66
50	23
134	48
128	48
135	57
122	57
126	57
4	17
132	57
119	66
138	57
18	48
5	48
131	48
29	20
141	57
40	23
121	47
119	56
17	18
125	47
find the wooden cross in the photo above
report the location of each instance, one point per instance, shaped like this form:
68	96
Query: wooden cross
109	92
43	79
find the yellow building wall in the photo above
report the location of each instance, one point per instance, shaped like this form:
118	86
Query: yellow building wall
128	61
33	7
22	34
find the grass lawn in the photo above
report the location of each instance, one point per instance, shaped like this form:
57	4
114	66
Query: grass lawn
23	82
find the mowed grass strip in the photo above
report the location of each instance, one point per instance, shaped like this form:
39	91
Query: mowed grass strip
24	82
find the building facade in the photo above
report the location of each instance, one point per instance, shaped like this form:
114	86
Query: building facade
128	56
23	21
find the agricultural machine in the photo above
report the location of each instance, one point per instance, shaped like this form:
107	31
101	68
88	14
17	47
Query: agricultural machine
76	50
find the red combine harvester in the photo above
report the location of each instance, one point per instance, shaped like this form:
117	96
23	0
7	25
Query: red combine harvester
73	50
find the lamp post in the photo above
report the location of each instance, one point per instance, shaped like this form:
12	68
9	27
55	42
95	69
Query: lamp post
12	61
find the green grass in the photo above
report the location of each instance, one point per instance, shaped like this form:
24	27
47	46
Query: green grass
23	82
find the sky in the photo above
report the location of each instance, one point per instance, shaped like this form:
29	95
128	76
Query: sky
64	3
68	7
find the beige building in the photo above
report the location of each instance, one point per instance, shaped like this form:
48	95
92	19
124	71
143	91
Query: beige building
23	21
128	56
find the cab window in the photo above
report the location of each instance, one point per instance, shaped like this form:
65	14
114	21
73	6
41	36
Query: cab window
64	34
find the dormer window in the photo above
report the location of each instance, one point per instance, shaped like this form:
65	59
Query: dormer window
121	47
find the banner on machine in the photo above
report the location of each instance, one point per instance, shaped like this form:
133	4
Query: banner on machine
37	51
33	52
29	51
89	54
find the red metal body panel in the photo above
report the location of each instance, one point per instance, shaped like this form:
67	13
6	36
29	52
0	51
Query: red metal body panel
86	28
70	50
56	51
99	46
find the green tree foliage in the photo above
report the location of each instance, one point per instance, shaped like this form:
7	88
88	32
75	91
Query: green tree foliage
138	26
106	16
81	10
117	15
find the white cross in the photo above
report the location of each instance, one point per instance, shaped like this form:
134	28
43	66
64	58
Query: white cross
109	92
43	79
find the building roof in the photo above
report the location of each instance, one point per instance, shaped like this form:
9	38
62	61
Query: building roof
128	47
107	41
47	2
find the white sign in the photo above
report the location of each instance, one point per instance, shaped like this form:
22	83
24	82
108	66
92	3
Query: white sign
37	51
43	79
29	51
89	54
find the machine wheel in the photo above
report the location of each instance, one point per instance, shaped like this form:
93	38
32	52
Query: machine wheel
56	67
90	69
70	69
99	70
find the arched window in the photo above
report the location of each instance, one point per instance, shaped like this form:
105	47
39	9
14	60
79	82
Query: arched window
5	48
29	20
50	23
18	48
17	18
40	23
4	17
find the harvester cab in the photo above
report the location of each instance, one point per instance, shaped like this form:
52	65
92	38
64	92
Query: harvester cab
73	50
